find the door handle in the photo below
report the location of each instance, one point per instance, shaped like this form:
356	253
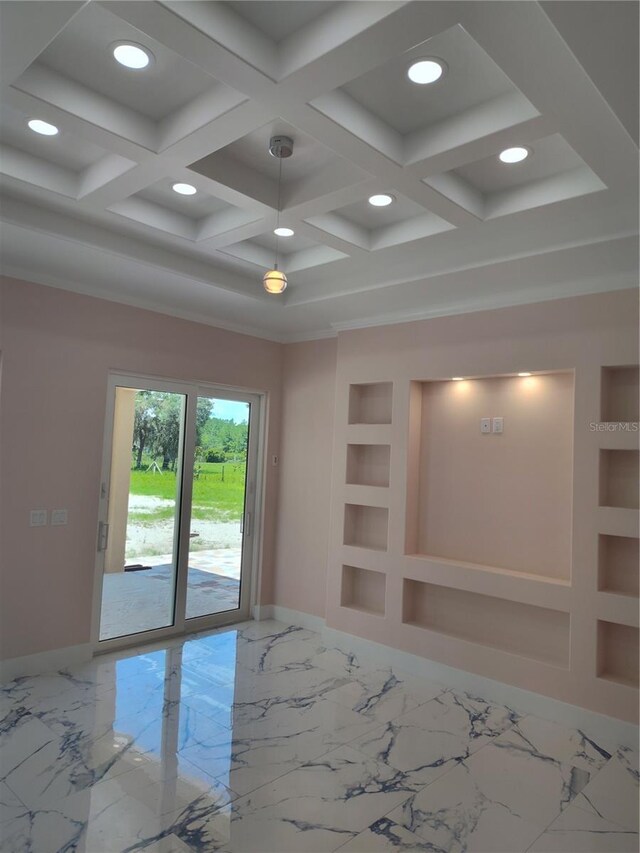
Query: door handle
103	536
245	527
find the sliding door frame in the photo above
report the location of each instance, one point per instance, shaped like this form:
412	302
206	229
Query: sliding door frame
251	522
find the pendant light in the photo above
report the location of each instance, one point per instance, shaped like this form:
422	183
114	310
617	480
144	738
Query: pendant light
275	281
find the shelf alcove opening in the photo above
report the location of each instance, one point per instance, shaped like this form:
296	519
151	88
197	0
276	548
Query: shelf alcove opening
498	500
370	403
511	626
618	653
620	394
618	564
619	473
368	464
363	589
366	526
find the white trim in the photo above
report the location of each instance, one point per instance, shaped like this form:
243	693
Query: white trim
291	617
252	540
42	662
594	725
532	296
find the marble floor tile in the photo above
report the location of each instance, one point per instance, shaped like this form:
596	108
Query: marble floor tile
10	805
433	737
385	836
544	738
499	796
457	814
613	794
578	831
315	808
261	737
263	750
383	695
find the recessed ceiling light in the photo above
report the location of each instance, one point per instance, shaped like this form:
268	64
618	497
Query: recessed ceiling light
43	127
426	71
514	155
283	232
184	189
132	55
524	373
457	378
381	199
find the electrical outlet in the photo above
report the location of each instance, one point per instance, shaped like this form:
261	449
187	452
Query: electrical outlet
58	517
498	425
38	518
485	425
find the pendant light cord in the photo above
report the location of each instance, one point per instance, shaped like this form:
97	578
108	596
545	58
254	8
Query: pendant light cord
278	208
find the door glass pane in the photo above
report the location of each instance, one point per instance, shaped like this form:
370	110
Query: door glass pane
218	506
140	567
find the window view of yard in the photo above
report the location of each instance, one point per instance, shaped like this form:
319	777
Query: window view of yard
218	475
140	576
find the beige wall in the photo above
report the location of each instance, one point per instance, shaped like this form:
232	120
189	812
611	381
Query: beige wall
57	349
305	475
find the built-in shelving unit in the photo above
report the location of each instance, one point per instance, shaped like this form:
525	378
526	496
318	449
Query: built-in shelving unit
512	555
619	474
523	629
370	403
366	526
363	589
470	484
619	401
368	464
618	564
618	653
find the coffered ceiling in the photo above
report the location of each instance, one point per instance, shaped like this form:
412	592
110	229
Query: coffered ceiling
92	208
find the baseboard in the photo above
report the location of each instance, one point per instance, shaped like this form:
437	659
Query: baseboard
594	725
42	662
291	617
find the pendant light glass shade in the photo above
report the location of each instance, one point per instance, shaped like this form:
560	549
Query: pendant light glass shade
274	281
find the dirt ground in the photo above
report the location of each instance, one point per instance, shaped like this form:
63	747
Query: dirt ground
149	538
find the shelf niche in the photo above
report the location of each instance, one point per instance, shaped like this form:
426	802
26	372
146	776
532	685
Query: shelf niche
618	653
619	473
370	403
368	464
511	626
620	394
363	589
618	561
494	500
366	526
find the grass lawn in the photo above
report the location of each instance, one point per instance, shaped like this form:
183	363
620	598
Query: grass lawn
213	497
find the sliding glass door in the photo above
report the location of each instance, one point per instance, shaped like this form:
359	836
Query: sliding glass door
218	506
178	494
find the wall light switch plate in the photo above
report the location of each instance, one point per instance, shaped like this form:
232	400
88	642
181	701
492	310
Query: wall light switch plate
498	425
38	518
485	425
58	517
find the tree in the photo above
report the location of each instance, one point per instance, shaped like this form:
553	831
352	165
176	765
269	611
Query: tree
144	424
158	424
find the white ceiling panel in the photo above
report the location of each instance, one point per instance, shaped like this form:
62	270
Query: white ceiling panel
226	76
83	52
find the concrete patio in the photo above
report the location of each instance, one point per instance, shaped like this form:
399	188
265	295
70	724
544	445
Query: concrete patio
136	601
